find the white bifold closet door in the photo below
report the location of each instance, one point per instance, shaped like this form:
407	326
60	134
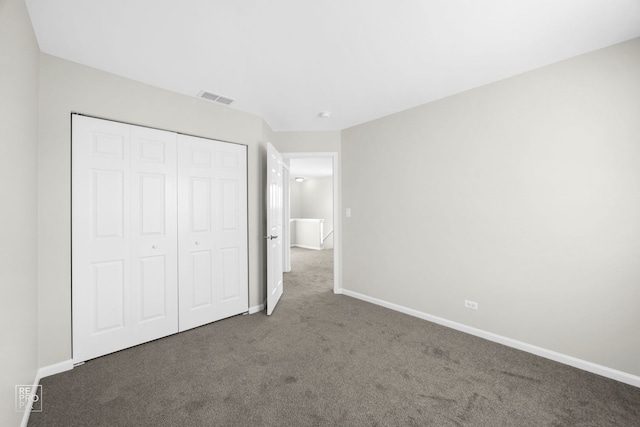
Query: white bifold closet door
134	277
124	236
212	243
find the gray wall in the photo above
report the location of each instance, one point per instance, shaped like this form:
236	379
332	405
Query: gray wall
522	195
67	87
19	56
313	198
296	195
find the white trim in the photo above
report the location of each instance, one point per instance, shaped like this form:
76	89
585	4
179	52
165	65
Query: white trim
27	412
315	248
257	308
56	368
337	212
46	371
286	229
594	368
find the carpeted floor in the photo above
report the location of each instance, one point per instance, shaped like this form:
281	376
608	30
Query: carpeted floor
325	359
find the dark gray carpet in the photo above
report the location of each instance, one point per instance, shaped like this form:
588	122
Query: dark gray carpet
325	359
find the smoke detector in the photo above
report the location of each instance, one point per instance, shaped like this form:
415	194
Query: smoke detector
324	114
215	98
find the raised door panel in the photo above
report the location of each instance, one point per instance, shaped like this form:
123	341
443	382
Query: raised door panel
201	289
153	286
229	205
107	204
231	283
108	296
199	204
153	199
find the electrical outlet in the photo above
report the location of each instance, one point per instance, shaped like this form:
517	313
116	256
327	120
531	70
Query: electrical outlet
348	212
471	304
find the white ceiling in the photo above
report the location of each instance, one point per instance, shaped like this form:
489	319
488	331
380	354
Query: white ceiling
311	167
288	60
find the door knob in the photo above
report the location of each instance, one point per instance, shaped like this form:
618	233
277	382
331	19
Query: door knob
197	242
270	237
154	247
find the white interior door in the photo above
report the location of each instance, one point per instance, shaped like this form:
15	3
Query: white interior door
124	288
275	201
212	218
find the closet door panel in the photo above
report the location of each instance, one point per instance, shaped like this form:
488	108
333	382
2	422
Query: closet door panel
197	258
101	267
212	230
230	228
231	232
154	234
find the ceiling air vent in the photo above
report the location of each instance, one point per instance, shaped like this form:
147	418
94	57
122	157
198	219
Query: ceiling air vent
215	98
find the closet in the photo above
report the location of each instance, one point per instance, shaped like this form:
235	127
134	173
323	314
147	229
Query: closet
159	234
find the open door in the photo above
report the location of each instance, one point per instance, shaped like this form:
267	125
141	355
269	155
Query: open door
275	202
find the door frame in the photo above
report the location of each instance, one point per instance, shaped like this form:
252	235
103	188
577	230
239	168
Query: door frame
286	229
337	218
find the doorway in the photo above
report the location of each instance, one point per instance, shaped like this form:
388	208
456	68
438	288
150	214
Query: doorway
313	211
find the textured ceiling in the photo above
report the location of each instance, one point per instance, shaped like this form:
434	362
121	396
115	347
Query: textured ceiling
288	60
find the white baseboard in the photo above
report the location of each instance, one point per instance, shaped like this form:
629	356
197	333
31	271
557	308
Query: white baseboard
27	412
46	371
529	348
56	368
257	308
315	248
